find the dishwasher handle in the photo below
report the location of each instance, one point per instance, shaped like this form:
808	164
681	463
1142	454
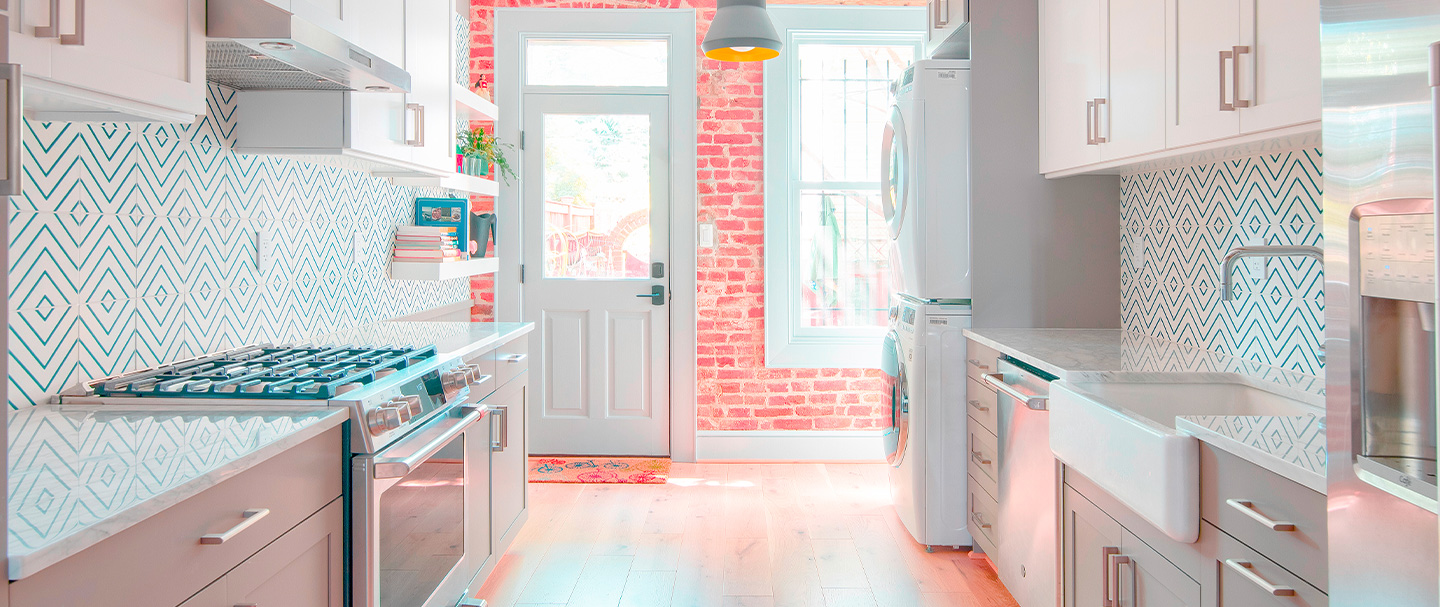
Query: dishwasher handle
1032	401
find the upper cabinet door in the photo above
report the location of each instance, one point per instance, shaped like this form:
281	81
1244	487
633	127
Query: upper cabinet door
1280	72
429	35
943	18
149	51
1132	117
1072	39
1201	77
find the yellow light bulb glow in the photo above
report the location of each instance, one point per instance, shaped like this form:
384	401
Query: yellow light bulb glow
742	53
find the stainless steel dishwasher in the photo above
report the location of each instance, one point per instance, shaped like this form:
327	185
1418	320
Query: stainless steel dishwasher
1027	544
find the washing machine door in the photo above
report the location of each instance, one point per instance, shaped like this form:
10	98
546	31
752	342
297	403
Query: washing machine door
896	400
895	170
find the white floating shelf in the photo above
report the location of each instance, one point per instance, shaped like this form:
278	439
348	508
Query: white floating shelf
415	270
471	106
453	181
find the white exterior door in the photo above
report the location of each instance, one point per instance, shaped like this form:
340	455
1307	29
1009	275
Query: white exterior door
596	245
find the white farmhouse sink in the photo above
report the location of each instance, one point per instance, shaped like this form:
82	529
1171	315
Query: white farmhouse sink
1121	435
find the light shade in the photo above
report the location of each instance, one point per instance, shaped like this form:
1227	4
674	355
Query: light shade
741	31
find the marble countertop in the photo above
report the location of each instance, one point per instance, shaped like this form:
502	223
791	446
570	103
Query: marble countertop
449	338
81	473
1291	446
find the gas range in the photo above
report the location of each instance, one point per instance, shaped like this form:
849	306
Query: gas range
389	390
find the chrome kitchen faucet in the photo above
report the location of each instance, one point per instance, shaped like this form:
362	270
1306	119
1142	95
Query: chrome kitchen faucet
1264	251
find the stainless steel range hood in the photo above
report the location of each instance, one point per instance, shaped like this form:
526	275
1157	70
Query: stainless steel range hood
255	45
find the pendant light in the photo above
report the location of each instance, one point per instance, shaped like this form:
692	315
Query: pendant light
741	31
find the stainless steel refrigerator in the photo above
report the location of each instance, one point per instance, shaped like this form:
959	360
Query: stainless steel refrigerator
1380	291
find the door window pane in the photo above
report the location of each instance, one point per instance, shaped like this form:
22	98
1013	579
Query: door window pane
844	102
843	271
600	62
597	196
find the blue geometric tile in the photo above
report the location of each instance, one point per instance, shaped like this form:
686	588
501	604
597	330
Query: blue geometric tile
1178	225
134	244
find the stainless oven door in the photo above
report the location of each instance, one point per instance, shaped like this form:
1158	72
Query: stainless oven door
420	524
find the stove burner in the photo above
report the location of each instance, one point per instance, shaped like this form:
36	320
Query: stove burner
269	372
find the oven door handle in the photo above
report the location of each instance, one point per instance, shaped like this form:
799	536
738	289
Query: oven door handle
397	467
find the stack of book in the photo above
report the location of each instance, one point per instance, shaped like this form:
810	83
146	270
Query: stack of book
426	244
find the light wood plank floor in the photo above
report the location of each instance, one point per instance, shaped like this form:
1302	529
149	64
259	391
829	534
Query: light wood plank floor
733	535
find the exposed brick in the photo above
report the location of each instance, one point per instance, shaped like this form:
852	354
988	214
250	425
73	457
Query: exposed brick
734	387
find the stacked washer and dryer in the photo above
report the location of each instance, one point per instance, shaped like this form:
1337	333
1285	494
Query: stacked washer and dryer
925	196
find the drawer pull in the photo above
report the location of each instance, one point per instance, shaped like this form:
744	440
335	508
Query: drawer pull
1246	570
252	516
979	458
978	407
979	520
1116	560
514	358
1247	508
975	362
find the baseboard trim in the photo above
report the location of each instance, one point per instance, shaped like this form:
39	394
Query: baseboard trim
789	445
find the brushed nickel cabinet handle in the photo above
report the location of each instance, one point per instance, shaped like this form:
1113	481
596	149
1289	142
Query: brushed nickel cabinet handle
502	438
1236	52
978	407
942	21
979	458
52	30
1246	569
416	113
515	358
1247	508
1116	560
10	74
1105	553
1225	105
979	520
252	516
1090	122
1099	107
77	38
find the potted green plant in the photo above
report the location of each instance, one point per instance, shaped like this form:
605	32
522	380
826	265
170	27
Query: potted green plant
476	150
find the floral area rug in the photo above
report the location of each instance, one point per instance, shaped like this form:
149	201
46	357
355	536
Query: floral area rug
602	470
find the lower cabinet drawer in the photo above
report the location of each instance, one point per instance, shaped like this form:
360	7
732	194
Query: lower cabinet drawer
983	514
979	359
1241	577
980	404
984	461
160	560
1280	518
511	359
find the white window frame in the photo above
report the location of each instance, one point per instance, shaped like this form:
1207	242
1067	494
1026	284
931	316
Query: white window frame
787	342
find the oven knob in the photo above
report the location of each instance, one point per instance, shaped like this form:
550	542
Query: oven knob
401	407
382	419
475	374
412	404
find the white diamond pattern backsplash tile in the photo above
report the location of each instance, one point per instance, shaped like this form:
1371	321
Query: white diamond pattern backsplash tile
134	245
1177	226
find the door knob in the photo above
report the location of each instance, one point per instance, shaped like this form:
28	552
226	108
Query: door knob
656	295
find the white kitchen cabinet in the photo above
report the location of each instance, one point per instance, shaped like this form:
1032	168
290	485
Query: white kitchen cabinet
1072	48
338	17
1104	562
1103	77
114	61
508	463
1132	118
1280	76
1240	67
391	134
303	568
943	19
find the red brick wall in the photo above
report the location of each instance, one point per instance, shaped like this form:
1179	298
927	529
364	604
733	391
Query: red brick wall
736	390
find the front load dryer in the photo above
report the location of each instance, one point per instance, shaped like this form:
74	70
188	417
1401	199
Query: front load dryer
925	419
925	165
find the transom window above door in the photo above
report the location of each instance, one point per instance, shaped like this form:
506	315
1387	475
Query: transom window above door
594	62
